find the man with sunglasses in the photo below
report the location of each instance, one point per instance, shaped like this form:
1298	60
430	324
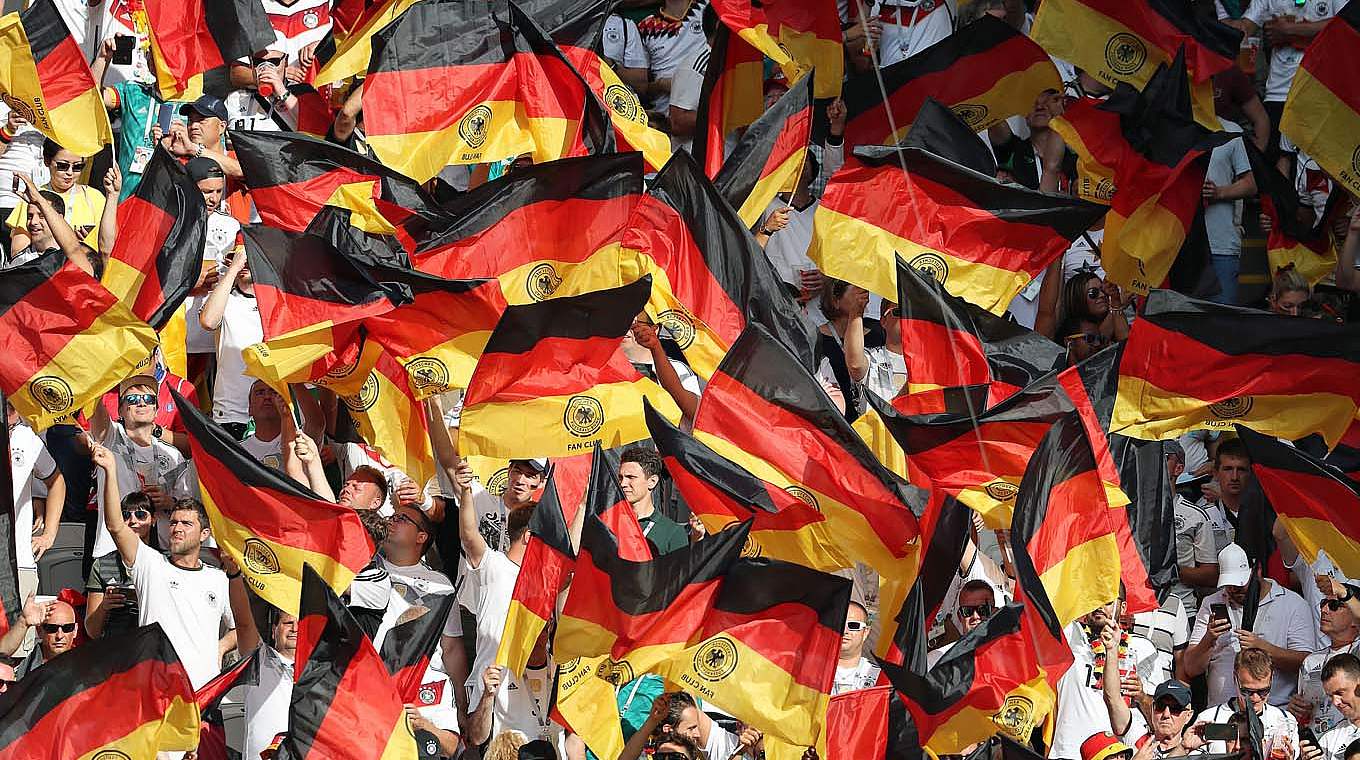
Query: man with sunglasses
854	671
56	627
976	602
110	599
1339	624
1253	670
1283	628
147	458
1171	711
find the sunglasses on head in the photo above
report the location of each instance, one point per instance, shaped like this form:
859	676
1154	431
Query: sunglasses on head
63	627
981	610
68	166
855	626
140	399
140	514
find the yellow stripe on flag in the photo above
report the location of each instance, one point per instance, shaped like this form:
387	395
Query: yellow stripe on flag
272	570
421	155
1312	535
1085	579
353	53
539	427
176	730
588	704
1323	126
1142	410
783	179
861	253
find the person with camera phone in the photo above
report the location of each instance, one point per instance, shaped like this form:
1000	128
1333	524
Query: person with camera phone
1252	669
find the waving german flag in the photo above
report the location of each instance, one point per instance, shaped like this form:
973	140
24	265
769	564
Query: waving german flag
46	79
641	613
984	72
768	647
501	101
722	492
1065	521
440	334
950	342
345	53
732	96
407	648
387	413
1317	504
576	28
769	157
544	231
212	741
194	43
66	337
982	239
1322	112
978	458
1291	243
805	33
767	413
1126	42
291	176
710	278
552	380
1000	677
544	572
159	252
267	522
303	284
344	702
131	700
1141	153
1192	365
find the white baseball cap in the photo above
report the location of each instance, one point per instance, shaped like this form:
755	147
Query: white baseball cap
1233	567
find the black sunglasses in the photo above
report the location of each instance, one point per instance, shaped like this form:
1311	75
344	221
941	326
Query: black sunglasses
63	627
981	610
1332	604
140	514
68	166
1254	692
670	756
1094	292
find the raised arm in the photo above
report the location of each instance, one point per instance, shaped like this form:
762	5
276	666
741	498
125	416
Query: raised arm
474	546
108	221
123	537
76	252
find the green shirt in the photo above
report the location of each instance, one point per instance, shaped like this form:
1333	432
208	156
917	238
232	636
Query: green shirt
138	107
664	534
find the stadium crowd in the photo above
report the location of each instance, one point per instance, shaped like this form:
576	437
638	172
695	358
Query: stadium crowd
111	531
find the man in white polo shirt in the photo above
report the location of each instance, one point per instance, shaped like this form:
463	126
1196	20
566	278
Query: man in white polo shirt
1283	628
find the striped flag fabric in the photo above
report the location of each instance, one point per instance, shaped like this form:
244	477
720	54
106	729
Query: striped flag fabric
94	701
46	79
67	339
1322	110
158	255
269	524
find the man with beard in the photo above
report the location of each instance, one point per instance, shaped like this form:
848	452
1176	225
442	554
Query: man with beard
188	598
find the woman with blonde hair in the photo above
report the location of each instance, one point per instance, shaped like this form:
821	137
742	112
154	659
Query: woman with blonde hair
1288	293
505	746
